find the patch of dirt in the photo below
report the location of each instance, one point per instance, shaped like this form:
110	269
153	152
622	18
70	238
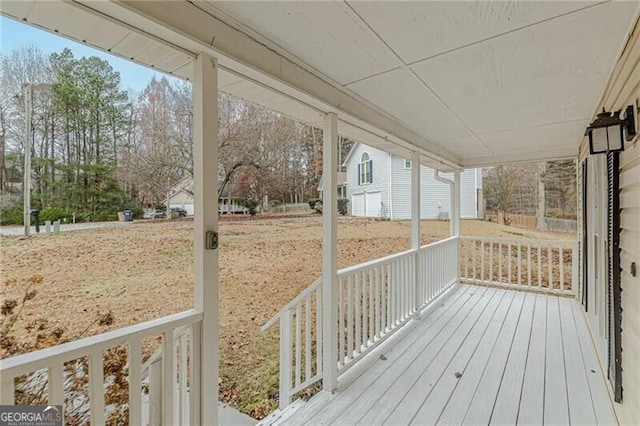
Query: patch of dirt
145	271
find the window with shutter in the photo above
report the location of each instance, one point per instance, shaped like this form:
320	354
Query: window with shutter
365	173
613	269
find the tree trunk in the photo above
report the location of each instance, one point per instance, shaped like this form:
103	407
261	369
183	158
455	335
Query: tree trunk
541	223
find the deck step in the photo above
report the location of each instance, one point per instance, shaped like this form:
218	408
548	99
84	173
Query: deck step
280	415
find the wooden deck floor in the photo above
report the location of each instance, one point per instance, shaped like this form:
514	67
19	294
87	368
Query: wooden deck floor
481	356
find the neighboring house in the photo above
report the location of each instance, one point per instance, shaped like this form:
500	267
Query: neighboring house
379	185
341	186
181	195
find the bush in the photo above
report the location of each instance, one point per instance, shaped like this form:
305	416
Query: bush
249	204
55	213
312	203
343	204
11	214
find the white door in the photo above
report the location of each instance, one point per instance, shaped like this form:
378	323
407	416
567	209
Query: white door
373	202
357	203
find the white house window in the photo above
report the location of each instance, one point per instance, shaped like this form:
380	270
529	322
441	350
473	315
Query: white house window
365	172
407	164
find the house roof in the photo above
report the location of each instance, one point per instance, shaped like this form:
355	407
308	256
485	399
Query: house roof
463	83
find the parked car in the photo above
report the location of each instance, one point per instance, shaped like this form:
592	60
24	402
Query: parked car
179	210
155	214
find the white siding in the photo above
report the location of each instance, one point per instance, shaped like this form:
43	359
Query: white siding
380	164
434	195
624	89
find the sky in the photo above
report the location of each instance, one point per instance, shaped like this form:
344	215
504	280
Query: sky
15	35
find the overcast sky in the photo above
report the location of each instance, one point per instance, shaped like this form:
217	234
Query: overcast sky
15	35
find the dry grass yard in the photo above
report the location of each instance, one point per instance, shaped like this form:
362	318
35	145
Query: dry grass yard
144	271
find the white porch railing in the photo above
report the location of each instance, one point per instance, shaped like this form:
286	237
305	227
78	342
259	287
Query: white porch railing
374	300
180	358
549	266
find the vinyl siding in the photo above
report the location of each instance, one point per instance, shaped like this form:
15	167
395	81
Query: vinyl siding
434	195
624	89
380	167
393	180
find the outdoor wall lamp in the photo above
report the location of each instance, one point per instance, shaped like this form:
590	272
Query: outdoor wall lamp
608	131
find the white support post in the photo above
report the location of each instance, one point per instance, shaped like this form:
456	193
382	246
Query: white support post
329	251
205	166
28	98
415	200
415	228
455	205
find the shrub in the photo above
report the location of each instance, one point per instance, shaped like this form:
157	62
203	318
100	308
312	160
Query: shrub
343	204
312	203
248	203
11	214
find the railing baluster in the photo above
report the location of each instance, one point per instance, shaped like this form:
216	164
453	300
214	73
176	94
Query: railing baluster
550	265
285	359
365	312
182	372
475	249
194	373
539	265
519	263
466	259
529	264
574	268
350	324
358	305
55	375
561	263
340	324
378	326
481	260
155	393
135	382
371	307
491	263
168	376
510	281
500	260
386	297
298	344
319	330
96	388
307	338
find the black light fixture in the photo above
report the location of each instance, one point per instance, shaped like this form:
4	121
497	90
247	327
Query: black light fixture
608	131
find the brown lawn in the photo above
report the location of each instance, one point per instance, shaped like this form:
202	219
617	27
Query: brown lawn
144	271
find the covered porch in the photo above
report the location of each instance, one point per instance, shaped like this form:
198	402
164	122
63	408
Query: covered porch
478	355
418	336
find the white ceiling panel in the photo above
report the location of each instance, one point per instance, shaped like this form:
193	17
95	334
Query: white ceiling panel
535	139
420	29
470	146
402	95
91	29
326	35
552	72
49	14
17	9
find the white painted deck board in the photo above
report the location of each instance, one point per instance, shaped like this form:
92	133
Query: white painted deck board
524	359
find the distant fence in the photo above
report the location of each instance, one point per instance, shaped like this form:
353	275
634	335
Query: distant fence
529	221
290	208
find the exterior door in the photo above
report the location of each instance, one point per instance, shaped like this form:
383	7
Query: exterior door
373	202
358	205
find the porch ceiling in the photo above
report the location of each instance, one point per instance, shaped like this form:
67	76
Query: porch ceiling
464	83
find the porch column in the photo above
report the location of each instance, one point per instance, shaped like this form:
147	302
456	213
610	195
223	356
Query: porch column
329	251
455	205
415	229
415	200
205	180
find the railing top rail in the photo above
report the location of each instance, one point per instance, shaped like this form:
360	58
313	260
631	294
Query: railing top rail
519	240
365	265
29	362
346	271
